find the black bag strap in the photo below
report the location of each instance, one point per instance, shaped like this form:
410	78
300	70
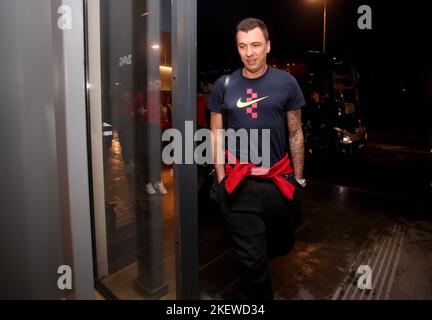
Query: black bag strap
226	83
225	87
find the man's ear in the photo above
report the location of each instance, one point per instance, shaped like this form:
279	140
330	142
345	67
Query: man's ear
268	46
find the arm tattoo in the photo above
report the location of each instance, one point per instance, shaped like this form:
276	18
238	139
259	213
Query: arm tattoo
296	141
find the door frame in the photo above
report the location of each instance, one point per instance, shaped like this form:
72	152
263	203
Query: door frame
184	57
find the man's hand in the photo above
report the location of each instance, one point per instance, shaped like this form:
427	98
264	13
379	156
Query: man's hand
296	142
141	110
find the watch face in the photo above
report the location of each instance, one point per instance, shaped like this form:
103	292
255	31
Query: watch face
301	182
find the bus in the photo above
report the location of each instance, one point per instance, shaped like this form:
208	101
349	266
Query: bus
333	118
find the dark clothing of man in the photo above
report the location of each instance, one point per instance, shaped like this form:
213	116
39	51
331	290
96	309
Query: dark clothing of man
259	217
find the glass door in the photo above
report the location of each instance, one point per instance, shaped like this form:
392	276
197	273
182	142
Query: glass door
130	102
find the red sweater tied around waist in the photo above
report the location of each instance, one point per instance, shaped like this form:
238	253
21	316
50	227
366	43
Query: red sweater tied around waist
237	173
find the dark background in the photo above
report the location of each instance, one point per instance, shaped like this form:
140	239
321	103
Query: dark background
388	183
393	59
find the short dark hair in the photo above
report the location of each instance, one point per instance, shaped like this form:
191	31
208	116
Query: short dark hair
249	24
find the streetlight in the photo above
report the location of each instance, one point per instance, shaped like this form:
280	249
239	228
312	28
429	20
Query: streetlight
324	25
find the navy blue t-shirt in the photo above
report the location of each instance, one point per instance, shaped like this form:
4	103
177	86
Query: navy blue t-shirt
260	103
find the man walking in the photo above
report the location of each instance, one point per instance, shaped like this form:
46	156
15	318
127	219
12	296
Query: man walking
258	203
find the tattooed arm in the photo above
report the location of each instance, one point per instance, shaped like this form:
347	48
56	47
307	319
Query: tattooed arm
296	141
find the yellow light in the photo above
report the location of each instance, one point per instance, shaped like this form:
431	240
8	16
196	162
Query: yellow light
166	78
155	46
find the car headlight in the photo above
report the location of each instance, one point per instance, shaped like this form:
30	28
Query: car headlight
344	136
346	139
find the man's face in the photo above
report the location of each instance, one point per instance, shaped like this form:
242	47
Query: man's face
253	49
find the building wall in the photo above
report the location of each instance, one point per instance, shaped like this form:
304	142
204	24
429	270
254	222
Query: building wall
44	211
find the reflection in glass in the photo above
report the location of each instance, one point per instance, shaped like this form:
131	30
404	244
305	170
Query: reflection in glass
136	96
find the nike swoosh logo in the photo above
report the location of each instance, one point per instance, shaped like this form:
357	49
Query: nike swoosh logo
241	104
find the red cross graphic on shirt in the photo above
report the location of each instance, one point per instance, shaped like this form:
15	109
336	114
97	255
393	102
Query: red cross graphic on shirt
252	109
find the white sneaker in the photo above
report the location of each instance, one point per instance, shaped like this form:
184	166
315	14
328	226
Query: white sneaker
149	188
160	187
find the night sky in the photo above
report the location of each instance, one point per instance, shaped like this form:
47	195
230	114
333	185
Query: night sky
395	55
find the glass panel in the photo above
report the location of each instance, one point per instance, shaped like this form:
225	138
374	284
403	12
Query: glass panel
136	107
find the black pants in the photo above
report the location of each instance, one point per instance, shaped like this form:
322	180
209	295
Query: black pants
261	222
